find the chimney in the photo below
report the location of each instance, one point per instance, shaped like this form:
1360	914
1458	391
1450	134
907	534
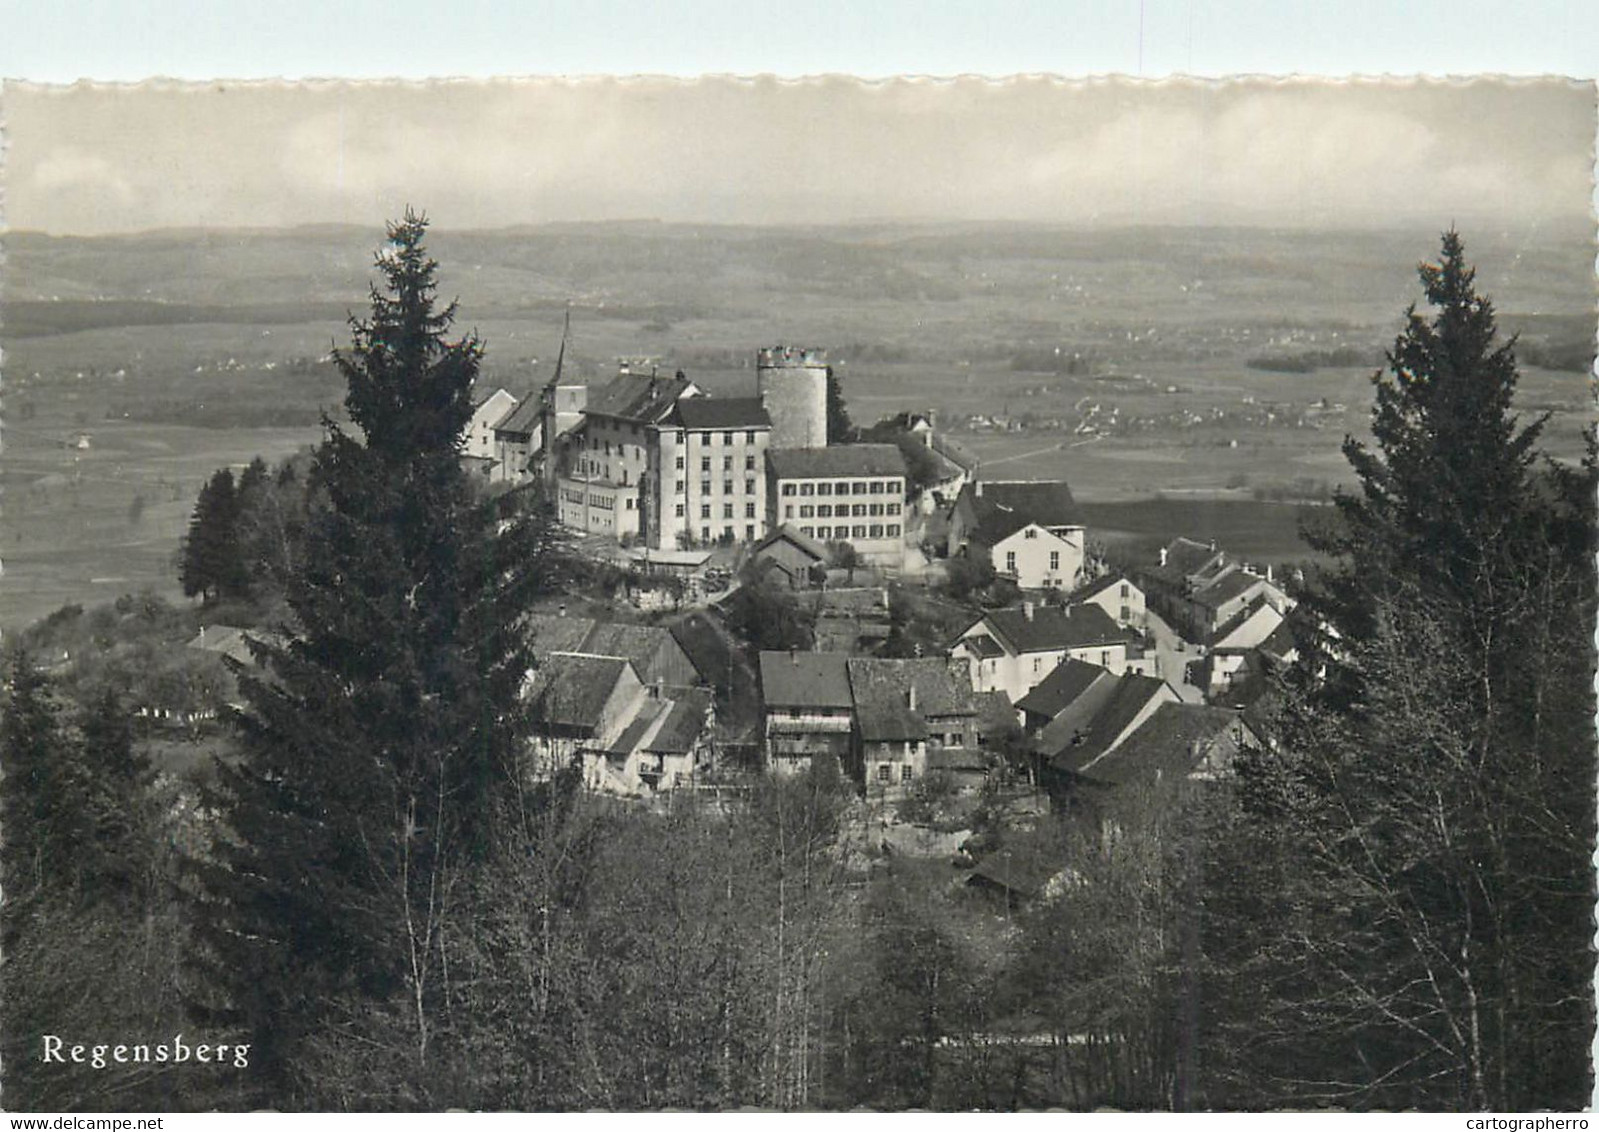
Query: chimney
910	697
1027	610
1268	571
1163	556
977	488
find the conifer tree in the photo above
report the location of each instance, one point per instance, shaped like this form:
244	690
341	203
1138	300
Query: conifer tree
212	563
1409	880
382	734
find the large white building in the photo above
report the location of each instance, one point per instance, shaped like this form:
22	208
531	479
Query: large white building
653	458
852	493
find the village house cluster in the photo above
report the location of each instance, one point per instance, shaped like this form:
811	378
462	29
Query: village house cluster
1092	682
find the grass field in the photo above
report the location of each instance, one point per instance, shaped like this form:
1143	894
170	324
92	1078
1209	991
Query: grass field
1121	358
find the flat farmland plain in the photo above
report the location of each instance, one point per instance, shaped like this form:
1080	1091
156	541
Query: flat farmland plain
1155	365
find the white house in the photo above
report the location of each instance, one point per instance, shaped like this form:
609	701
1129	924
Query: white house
1119	597
1013	650
1029	530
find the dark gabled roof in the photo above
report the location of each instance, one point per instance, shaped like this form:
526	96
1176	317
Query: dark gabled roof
683	728
1184	558
1069	680
942	689
1130	696
995	713
789	534
639	643
722	412
1006	506
522	418
649	711
1226	587
1055	627
983	645
1095	588
1169	743
708	646
558	634
1280	644
634	397
1021	873
571	690
889	721
840	460
805	679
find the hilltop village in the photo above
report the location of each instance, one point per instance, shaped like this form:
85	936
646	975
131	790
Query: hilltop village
947	632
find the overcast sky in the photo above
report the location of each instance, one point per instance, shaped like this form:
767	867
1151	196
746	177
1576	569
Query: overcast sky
1306	153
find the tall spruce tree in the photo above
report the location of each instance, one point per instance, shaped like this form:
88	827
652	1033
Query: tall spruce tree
381	734
212	561
1408	902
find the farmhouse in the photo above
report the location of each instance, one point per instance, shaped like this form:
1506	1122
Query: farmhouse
908	712
1175	746
807	709
656	655
1094	725
1030	530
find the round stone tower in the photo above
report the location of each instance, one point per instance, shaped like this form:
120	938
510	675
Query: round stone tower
792	384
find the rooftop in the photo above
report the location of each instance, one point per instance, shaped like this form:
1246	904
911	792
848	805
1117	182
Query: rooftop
842	460
722	412
789	534
639	398
1171	742
571	689
520	419
984	646
941	689
1069	680
1227	587
683	727
1100	585
1004	507
1050	627
1184	558
1090	726
805	679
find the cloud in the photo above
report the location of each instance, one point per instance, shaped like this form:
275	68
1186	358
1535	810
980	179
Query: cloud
764	151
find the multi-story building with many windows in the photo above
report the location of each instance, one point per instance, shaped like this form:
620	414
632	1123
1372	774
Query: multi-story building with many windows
852	493
707	473
602	487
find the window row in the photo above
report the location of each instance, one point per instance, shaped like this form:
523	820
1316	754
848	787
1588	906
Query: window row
859	530
842	510
846	487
